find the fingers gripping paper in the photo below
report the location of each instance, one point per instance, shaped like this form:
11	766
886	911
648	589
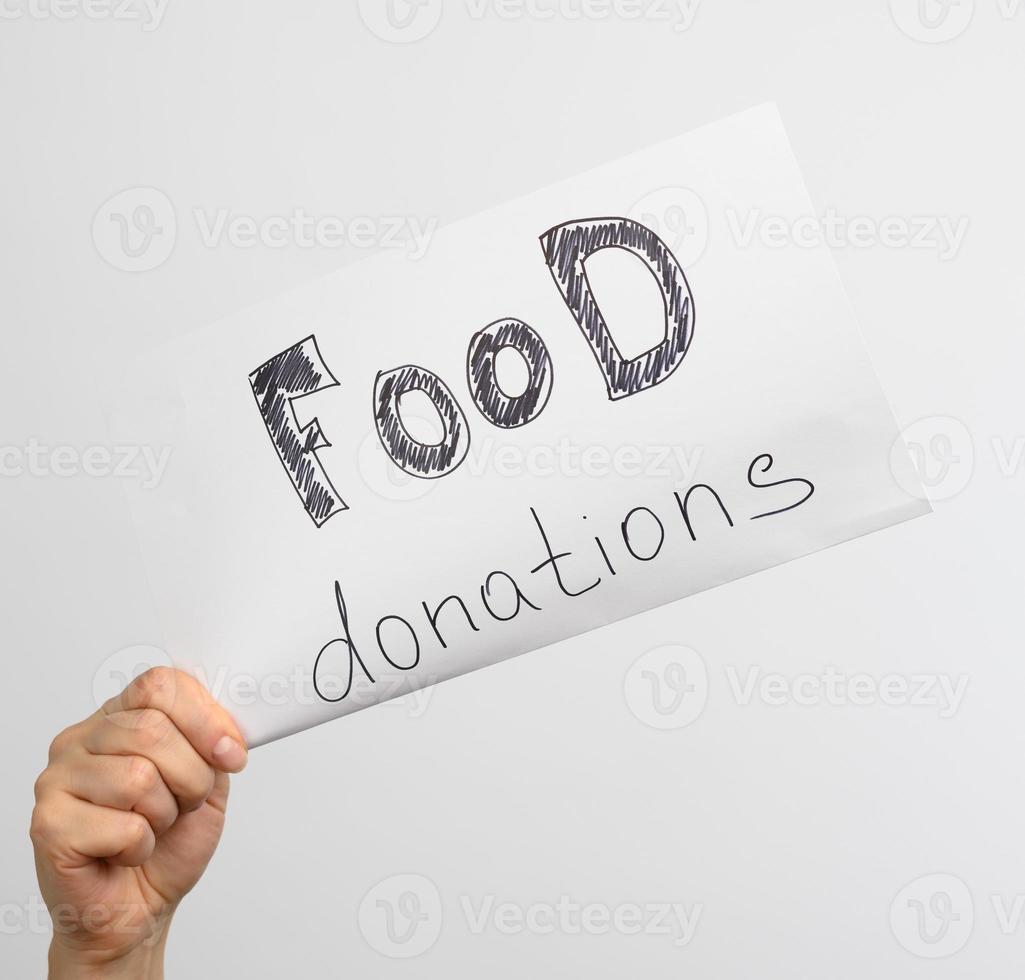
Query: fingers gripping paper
573	408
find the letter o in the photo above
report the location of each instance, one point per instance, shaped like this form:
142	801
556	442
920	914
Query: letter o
494	404
425	460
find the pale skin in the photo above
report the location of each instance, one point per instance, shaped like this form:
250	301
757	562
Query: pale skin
129	811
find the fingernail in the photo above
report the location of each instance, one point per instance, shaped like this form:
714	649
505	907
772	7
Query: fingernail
230	755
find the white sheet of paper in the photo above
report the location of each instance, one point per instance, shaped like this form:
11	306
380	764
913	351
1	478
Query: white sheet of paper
775	366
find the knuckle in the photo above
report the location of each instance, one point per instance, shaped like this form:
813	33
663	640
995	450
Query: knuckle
136	840
143	776
156	683
43	827
198	785
136	829
41	785
61	742
164	817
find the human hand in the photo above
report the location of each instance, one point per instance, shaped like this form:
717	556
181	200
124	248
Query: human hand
128	813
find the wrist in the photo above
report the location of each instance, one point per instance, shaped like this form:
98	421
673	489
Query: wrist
142	962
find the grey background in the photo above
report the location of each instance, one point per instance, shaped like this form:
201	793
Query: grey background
794	827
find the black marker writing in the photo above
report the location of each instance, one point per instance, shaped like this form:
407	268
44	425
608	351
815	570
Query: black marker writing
684	505
604	553
345	641
412	633
425	460
493	403
625	528
521	599
584	562
432	618
566	249
277	384
778	483
300	370
554	559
